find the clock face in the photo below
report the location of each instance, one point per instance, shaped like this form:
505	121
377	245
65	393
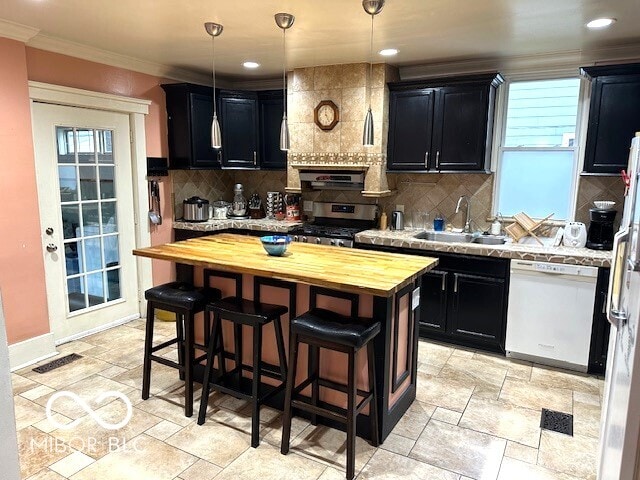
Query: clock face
326	115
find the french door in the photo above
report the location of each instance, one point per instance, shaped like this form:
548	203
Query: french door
85	192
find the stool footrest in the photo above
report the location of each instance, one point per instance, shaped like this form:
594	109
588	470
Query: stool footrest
325	412
229	383
164	345
167	362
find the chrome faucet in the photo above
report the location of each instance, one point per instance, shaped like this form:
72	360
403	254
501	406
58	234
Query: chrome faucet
467	224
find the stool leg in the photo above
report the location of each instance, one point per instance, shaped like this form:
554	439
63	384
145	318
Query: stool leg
277	325
218	342
373	405
148	343
206	388
188	364
255	385
314	372
180	345
237	339
351	416
291	379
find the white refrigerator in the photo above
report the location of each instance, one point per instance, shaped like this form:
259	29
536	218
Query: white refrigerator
620	434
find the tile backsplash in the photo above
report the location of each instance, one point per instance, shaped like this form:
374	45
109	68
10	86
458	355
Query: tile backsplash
428	193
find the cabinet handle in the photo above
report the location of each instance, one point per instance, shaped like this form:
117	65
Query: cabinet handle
255	159
604	303
444	281
438	160
426	159
455	283
220	157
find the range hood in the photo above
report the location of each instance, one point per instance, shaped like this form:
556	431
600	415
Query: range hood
338	180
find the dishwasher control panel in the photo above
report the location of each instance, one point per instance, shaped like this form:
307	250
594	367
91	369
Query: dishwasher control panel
554	268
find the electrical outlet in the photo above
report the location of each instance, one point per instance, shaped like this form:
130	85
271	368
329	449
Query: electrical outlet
307	206
400	208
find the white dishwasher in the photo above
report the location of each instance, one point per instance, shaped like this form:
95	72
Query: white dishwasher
550	313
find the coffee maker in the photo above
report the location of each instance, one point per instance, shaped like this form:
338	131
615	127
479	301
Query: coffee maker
600	236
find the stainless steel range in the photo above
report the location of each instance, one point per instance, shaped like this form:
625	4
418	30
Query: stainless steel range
336	223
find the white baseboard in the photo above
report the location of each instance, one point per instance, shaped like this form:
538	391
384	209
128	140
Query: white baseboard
101	328
33	350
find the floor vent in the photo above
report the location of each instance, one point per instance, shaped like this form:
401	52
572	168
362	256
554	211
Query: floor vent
57	363
557	421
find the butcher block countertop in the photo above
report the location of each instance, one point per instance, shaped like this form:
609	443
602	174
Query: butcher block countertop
345	269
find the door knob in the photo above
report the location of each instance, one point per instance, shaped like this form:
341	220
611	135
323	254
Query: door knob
52	248
49	231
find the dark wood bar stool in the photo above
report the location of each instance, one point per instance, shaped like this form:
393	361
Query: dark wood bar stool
320	328
185	301
256	315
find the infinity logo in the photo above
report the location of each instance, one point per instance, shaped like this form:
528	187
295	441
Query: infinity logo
89	410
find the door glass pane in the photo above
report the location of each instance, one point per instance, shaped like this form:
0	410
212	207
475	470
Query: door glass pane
95	288
70	220
113	284
109	219
93	254
104	146
107	188
73	258
91	220
75	289
68	183
88	183
111	254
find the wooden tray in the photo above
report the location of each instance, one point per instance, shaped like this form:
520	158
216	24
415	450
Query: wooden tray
524	225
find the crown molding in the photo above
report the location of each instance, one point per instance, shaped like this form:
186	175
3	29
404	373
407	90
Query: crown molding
17	31
73	49
559	63
263	84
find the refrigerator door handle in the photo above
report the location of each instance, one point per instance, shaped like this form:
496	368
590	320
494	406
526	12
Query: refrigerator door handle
615	314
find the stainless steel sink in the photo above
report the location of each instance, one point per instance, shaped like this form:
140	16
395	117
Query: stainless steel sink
455	237
447	237
490	240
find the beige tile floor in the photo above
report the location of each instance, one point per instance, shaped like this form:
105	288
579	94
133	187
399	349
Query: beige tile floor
476	416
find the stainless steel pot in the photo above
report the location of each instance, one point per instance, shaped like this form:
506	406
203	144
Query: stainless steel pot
195	209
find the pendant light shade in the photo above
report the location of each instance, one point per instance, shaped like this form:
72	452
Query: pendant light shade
367	136
284	21
372	7
214	29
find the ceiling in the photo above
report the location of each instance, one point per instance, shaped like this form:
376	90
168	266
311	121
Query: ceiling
171	33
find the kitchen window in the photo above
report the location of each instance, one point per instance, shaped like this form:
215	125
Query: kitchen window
536	172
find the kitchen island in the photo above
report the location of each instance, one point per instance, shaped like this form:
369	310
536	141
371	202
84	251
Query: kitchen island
383	286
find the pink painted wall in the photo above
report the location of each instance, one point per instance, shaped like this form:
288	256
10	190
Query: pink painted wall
60	69
21	263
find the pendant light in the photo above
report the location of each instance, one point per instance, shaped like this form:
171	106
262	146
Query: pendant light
372	7
284	21
214	29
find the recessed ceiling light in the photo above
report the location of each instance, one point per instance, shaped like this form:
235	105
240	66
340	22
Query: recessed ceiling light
250	64
601	22
388	52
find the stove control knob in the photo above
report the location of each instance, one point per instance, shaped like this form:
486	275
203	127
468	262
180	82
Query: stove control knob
340	243
333	242
304	239
295	238
318	241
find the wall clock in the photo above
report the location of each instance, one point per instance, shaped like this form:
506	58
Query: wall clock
326	115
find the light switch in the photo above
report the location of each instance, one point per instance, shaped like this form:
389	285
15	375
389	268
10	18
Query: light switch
415	299
400	208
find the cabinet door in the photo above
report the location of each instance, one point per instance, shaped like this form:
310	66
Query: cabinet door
202	155
460	128
613	121
410	121
271	157
239	132
478	309
433	301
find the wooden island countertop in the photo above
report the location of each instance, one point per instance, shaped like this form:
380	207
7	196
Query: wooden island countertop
346	269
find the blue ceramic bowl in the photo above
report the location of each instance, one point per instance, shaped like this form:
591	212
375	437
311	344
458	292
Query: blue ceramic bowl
275	245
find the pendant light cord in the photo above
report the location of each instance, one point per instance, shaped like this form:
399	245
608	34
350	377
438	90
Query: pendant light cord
284	69
371	62
213	69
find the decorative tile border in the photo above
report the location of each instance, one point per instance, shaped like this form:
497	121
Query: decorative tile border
216	225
